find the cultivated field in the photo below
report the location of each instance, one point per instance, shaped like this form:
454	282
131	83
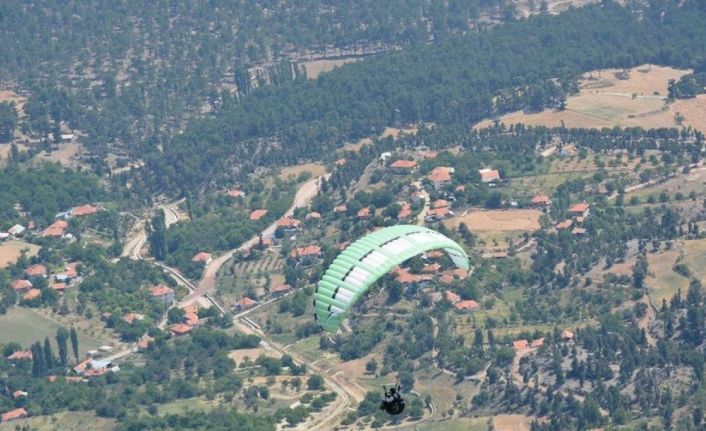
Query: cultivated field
26	326
64	421
607	100
316	67
315	169
498	221
10	252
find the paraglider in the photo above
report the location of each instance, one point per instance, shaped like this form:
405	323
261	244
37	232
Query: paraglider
392	403
369	258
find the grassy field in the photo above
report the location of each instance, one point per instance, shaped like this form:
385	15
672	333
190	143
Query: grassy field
663	282
497	221
25	326
315	169
10	251
65	421
608	100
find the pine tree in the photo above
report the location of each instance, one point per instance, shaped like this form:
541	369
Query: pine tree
62	336
37	360
74	342
48	356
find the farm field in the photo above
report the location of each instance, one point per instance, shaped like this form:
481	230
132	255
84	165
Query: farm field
606	100
26	326
498	220
315	169
10	251
65	421
314	68
455	424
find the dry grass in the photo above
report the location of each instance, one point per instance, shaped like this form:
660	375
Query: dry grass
396	133
315	169
663	282
239	355
498	221
695	257
10	251
316	67
512	422
65	155
607	101
65	421
11	96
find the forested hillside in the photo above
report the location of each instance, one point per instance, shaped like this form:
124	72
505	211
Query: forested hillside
455	81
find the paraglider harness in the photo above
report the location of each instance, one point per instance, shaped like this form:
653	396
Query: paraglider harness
392	403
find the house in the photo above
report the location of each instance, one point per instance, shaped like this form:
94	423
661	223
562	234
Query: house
403	166
489	175
131	318
312	216
495	253
67	275
16	230
566	335
258	214
179	329
37	270
582	209
288	223
235	193
306	254
446	279
452	297
405	211
440	203
245	303
340	208
19	394
466	306
4	235
434	254
144	342
21	285
539	342
59	287
540	201
578	231
191	315
404	277
32	294
13	415
429	154
520	345
20	355
281	290
564	224
94	367
441	176
460	273
364	213
436	214
340	162
431	268
162	294
55	229
460	188
84	210
202	256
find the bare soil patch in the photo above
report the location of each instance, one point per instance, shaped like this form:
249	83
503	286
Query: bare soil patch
314	68
239	355
11	96
66	154
11	251
315	169
512	422
500	220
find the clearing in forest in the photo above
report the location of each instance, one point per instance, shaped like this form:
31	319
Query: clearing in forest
607	99
662	281
314	68
512	423
315	169
10	251
498	220
67	421
11	96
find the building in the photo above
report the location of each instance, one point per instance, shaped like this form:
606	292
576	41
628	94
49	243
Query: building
245	303
566	335
21	285
403	166
179	329
16	230
540	201
579	231
489	175
431	268
162	294
258	214
191	315
13	415
466	306
452	297
340	208
405	211
539	342
281	290
564	224
440	203
37	270
235	193
131	318
340	162
364	213
306	254
441	176
32	294
312	216
520	345
59	287
436	214
20	355
19	394
144	342
581	210
202	256
55	229
288	223
84	210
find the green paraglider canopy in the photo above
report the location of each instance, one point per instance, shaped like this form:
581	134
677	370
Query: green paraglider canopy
362	263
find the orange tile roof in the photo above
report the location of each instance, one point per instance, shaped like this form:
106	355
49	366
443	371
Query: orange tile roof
460	188
309	250
452	297
438	212
191	315
364	212
446	279
540	199
564	224
440	174
434	254
566	335
32	294
288	222
181	329
36	270
405	277
258	214
460	273
56	229
246	302
71	379
281	288
161	290
431	268
130	318
520	344
404	164
405	211
466	305
579	208
313	216
21	285
73	266
429	154
201	256
96	373
82	366
84	210
440	203
340	208
19	394
235	193
539	342
578	231
14	414
487	175
144	342
58	286
21	355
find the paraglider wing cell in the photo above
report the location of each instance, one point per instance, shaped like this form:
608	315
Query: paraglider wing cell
365	261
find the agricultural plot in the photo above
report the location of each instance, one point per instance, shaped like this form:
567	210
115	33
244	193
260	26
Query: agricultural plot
315	169
314	68
64	421
10	251
498	221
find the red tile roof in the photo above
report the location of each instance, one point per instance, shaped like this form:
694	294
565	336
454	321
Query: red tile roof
579	208
19	394
404	164
21	355
20	285
460	273
564	224
540	200
144	342
59	287
434	254
56	229
181	329
246	302
405	277
452	297
281	288
466	305
191	315
438	212
36	270
488	175
161	290
235	193
446	279
288	222
440	203
539	342
201	256
14	414
431	268
84	210
313	216
309	250
32	294
440	174
130	318
405	211
258	214
364	212
520	344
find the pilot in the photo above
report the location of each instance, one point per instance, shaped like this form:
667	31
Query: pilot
392	402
